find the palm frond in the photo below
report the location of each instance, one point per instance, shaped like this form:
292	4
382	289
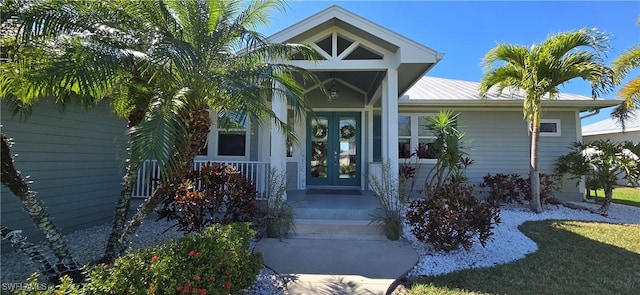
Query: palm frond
162	135
558	45
625	62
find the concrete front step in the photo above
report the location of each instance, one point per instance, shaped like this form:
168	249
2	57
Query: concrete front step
336	229
333	214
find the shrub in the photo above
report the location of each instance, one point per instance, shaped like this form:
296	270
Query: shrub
503	188
549	185
453	217
217	193
512	188
217	262
36	287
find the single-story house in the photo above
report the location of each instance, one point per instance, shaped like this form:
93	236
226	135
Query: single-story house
612	129
380	96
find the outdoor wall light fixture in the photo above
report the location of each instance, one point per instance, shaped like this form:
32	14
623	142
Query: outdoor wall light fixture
333	90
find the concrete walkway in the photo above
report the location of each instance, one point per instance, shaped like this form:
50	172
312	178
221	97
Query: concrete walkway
338	266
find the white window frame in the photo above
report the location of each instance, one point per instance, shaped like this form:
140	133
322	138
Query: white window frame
247	140
558	127
415	138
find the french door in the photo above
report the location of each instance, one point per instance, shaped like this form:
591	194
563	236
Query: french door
333	146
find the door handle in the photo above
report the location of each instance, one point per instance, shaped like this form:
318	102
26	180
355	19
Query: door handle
335	157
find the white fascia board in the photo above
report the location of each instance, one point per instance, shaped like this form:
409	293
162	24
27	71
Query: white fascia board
580	104
601	132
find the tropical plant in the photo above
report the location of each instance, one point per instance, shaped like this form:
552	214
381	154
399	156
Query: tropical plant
217	262
170	65
453	217
603	161
215	193
539	71
448	147
390	213
630	92
510	188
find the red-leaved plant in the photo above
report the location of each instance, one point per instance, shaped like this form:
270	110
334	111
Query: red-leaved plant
217	193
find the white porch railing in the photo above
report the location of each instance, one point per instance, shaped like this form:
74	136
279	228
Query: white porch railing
149	175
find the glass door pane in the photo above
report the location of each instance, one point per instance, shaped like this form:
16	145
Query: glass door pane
347	149
319	147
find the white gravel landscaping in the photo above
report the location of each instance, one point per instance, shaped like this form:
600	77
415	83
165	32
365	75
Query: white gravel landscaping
507	244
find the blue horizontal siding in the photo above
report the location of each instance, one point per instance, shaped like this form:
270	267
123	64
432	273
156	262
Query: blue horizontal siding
74	160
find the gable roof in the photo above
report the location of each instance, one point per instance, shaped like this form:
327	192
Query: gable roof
610	125
412	59
439	91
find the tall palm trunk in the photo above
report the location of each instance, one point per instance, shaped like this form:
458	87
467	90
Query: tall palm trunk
534	176
198	126
18	186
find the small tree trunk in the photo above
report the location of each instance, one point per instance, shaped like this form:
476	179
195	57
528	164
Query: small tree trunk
534	176
608	196
18	186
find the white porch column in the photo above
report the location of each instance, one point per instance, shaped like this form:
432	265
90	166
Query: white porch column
390	121
278	137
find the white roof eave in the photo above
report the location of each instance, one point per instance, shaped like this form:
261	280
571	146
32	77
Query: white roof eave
579	104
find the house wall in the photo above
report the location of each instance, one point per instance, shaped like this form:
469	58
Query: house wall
292	175
633	136
498	142
74	162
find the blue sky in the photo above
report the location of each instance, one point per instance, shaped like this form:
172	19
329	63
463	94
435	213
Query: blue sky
466	30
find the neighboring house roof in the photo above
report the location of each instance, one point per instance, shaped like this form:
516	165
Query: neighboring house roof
439	91
610	125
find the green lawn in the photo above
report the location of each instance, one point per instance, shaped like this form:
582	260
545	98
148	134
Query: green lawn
622	195
573	258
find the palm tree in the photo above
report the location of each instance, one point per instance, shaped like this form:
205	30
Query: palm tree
539	71
630	92
209	75
185	57
603	162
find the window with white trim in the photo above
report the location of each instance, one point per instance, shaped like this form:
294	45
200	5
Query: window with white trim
550	127
415	136
232	137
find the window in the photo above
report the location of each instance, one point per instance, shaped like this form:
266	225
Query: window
549	127
232	137
415	136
